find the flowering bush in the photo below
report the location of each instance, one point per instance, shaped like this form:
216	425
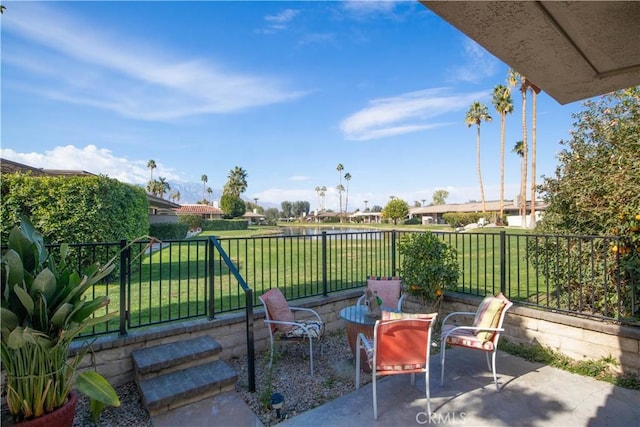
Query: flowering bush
428	266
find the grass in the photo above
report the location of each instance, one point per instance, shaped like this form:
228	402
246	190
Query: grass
601	369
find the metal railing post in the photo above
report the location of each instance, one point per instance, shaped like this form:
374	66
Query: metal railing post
324	264
251	352
503	263
210	267
393	252
124	268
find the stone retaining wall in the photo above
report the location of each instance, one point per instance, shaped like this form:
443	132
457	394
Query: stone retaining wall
576	337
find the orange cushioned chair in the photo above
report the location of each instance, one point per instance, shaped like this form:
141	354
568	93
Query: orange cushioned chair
482	335
282	324
401	345
389	289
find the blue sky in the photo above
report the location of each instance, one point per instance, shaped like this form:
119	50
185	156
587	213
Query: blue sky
285	90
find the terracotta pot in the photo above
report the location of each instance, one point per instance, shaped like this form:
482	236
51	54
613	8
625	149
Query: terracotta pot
61	417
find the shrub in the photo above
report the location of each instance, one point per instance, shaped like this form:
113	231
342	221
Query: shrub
191	220
168	231
74	209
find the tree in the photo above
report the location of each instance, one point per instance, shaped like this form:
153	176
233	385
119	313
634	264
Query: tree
204	180
340	188
236	182
477	114
209	192
513	77
396	209
366	207
503	104
347	177
595	191
376	208
232	206
151	164
271	215
416	204
163	186
518	148
440	197
175	196
287	209
534	107
321	194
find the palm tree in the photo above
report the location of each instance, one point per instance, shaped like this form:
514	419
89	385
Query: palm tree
534	106
524	86
323	194
151	164
519	150
204	180
318	189
175	196
209	192
503	104
340	168
477	114
163	186
236	182
347	177
366	207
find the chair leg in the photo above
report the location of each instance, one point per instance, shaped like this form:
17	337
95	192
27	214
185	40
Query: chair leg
493	368
444	348
358	362
428	392
375	396
488	363
311	354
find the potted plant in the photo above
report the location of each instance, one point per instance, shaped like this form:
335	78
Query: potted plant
428	267
44	307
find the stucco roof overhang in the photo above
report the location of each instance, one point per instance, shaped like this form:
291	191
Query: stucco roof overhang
572	50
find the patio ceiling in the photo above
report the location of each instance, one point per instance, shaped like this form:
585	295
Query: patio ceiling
571	50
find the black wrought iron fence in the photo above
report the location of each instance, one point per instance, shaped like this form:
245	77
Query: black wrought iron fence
183	279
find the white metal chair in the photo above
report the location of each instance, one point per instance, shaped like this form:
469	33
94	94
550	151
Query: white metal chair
482	335
401	345
389	289
282	324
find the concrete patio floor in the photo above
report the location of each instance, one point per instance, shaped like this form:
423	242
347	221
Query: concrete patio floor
531	395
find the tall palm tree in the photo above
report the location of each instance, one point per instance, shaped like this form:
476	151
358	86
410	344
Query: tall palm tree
204	180
151	164
163	186
209	192
318	189
524	86
518	148
236	182
477	114
503	104
366	207
534	106
347	177
340	168
323	194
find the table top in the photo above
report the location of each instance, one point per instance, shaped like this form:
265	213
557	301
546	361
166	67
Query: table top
358	314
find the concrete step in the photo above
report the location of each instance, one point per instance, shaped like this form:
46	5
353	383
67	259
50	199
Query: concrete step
166	358
175	389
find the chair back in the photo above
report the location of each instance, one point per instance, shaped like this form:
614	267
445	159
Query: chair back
276	308
389	289
402	344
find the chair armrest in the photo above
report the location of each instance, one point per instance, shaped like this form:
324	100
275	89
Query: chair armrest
400	301
359	302
470	328
308	310
458	313
363	341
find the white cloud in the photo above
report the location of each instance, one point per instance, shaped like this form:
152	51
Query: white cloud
286	15
299	178
99	161
110	71
477	64
405	113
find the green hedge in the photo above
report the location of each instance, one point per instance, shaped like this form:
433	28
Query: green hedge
76	209
461	219
169	231
224	224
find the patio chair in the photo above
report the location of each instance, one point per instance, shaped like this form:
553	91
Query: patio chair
283	326
401	345
389	289
483	334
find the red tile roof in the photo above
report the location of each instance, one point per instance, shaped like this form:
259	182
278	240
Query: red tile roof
198	209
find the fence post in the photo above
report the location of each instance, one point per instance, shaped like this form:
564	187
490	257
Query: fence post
124	268
210	266
393	253
250	345
324	264
503	263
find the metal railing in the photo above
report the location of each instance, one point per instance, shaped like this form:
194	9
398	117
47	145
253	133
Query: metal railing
198	278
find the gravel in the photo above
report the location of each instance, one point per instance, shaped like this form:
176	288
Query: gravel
334	376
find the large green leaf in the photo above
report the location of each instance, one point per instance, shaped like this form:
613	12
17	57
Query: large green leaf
14	267
25	299
88	308
16	339
9	319
44	283
19	243
96	387
60	316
